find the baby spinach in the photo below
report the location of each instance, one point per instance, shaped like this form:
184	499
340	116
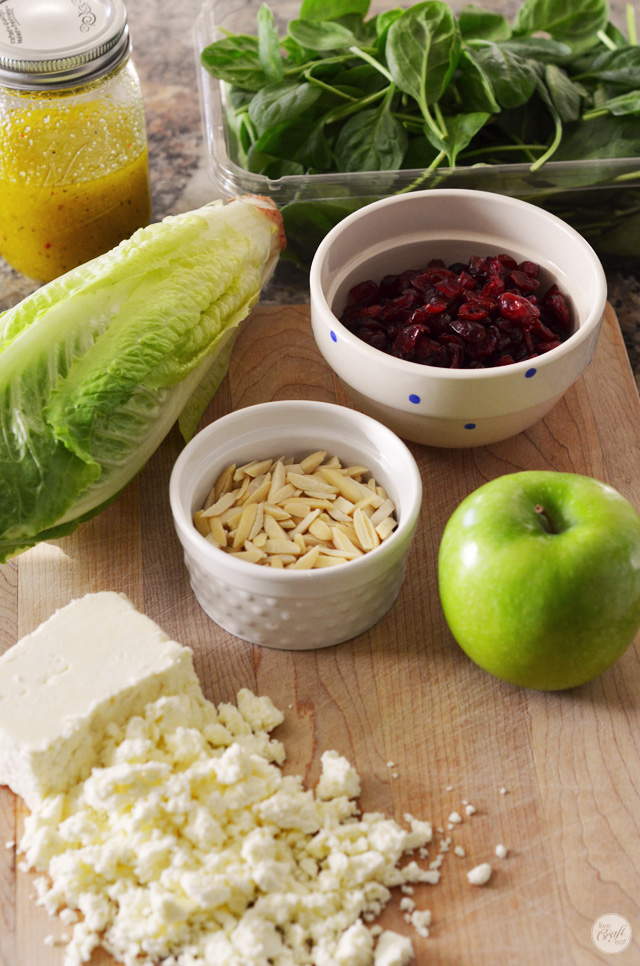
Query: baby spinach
424	89
381	88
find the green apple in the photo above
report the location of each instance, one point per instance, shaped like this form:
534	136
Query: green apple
539	577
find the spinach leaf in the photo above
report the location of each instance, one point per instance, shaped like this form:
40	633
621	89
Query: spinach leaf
564	93
473	85
603	137
513	78
423	47
372	140
277	103
269	45
319	35
461	129
476	23
539	49
628	103
568	20
383	22
620	68
235	60
332	9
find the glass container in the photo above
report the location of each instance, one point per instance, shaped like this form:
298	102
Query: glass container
600	198
74	178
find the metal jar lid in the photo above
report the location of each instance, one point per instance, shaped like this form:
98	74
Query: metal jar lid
51	44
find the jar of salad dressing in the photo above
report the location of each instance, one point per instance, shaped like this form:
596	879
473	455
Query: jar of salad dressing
74	177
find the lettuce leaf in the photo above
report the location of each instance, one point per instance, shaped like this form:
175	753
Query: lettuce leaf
97	366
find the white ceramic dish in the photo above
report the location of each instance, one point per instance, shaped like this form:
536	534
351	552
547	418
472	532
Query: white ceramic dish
295	610
449	407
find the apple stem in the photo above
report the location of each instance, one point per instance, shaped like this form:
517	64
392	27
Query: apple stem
544	517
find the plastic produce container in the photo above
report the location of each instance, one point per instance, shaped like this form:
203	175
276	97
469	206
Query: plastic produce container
601	199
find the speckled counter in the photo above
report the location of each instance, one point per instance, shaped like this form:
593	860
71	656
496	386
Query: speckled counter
162	33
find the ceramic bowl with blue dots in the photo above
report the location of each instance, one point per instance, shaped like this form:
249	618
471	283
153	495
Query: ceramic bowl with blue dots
454	407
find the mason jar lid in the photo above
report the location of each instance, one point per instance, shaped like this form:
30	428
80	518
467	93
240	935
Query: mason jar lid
50	44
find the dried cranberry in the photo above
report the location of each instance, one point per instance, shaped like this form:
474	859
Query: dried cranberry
390	286
555	307
523	282
473	310
484	313
518	309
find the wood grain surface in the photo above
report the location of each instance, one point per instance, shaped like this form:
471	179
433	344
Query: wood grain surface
555	777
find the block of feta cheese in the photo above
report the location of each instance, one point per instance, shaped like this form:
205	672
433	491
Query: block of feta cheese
97	660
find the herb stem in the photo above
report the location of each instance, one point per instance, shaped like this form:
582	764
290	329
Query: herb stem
606	40
359	52
339	113
631	25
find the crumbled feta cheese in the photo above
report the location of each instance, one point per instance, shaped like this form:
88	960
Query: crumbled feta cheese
187	844
459	851
338	777
455	818
480	875
470	809
421	920
392	949
501	851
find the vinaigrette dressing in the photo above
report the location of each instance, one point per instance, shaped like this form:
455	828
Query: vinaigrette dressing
74	176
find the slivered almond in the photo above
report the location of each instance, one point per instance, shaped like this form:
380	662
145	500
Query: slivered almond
385	509
278	479
260	493
298	509
355	470
311	484
258	523
301	514
345	485
306	561
259	468
277	512
386	528
321	530
305	523
373	501
326	560
201	523
283	494
282	547
273	529
224	503
217	531
222	485
311	463
251	556
367	535
247	519
344	544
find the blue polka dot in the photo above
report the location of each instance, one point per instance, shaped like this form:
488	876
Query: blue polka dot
469	425
529	373
334	336
413	398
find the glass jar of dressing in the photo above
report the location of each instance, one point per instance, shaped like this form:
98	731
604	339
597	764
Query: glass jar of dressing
74	177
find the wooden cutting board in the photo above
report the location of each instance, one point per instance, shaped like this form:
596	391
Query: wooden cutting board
555	777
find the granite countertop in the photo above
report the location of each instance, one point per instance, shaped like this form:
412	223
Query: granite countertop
164	54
